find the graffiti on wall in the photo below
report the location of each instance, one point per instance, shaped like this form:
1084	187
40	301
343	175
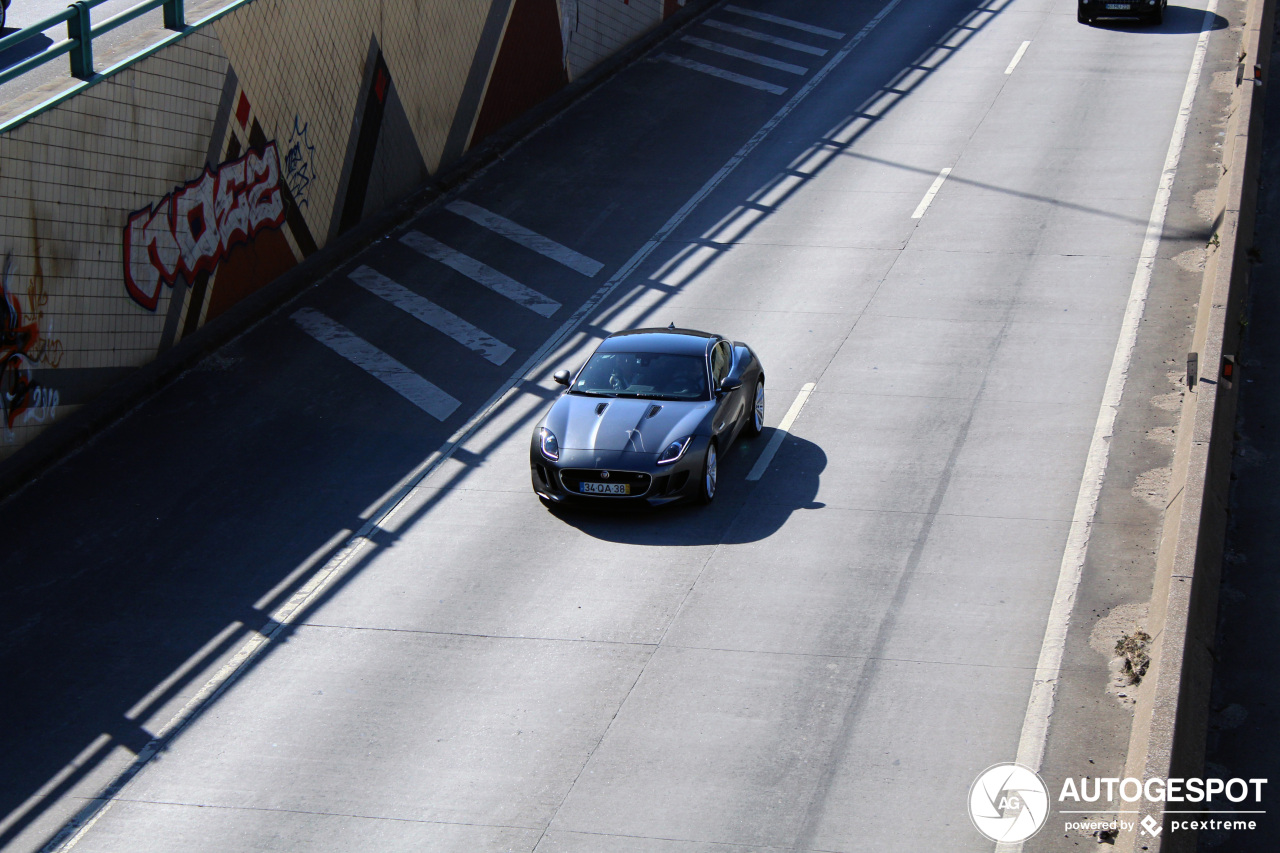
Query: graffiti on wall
48	348
194	227
297	163
22	347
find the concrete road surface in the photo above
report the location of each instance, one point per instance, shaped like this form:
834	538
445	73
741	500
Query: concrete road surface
932	210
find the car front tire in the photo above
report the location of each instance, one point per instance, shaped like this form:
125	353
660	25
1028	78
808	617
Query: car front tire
710	475
755	417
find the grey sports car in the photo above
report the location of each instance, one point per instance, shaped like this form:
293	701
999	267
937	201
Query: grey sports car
647	418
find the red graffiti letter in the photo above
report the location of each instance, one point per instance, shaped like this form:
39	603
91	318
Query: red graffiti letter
195	227
229	206
150	254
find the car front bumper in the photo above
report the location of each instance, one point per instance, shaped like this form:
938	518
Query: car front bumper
560	481
1138	9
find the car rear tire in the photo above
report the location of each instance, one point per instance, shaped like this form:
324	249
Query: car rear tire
1157	17
1082	17
755	417
710	473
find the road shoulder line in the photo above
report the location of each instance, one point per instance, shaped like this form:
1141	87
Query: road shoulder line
1035	727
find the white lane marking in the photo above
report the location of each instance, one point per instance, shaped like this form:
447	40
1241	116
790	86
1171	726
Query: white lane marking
786	22
933	191
1017	57
1035	725
482	274
432	314
517	233
376	363
285	615
746	54
780	434
759	36
724	75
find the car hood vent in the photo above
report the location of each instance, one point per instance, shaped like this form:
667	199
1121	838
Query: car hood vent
653	411
600	409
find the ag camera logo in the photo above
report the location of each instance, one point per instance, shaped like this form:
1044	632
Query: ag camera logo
1008	803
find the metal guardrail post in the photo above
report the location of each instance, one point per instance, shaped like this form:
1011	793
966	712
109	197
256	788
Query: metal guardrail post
80	30
175	16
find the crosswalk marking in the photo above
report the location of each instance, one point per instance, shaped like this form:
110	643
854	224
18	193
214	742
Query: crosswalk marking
432	314
376	363
724	75
759	36
481	274
786	22
747	55
516	232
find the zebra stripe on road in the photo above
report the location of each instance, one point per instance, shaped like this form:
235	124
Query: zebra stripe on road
376	363
432	314
481	274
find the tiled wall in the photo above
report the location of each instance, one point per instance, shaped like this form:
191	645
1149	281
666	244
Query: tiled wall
152	202
594	31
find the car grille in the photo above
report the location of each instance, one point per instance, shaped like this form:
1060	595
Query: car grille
572	478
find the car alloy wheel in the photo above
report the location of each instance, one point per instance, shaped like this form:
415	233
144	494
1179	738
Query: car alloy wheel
709	472
755	425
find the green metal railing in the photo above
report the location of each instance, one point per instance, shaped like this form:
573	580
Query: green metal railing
81	33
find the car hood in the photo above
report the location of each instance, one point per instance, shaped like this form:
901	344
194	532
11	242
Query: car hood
622	423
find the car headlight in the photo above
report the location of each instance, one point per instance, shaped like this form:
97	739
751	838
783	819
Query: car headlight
674	450
547	441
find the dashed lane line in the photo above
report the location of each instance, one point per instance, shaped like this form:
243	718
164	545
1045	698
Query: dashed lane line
933	191
780	434
1017	57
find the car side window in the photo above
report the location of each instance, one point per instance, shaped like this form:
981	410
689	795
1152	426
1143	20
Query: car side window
721	358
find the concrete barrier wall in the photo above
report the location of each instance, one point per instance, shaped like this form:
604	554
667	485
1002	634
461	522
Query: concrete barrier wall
150	203
1171	714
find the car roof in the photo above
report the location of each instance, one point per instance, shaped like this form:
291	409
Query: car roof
670	340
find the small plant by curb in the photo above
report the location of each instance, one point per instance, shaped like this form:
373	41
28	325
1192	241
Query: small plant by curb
1133	648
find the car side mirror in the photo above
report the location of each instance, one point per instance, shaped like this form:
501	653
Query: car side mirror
561	377
730	383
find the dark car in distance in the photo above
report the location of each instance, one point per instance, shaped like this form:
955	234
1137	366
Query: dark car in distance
647	418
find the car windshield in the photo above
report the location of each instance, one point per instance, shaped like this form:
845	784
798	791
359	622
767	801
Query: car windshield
643	374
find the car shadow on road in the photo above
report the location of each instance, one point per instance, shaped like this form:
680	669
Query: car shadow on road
743	511
1178	20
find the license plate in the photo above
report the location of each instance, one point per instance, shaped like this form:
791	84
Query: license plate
1117	7
605	488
